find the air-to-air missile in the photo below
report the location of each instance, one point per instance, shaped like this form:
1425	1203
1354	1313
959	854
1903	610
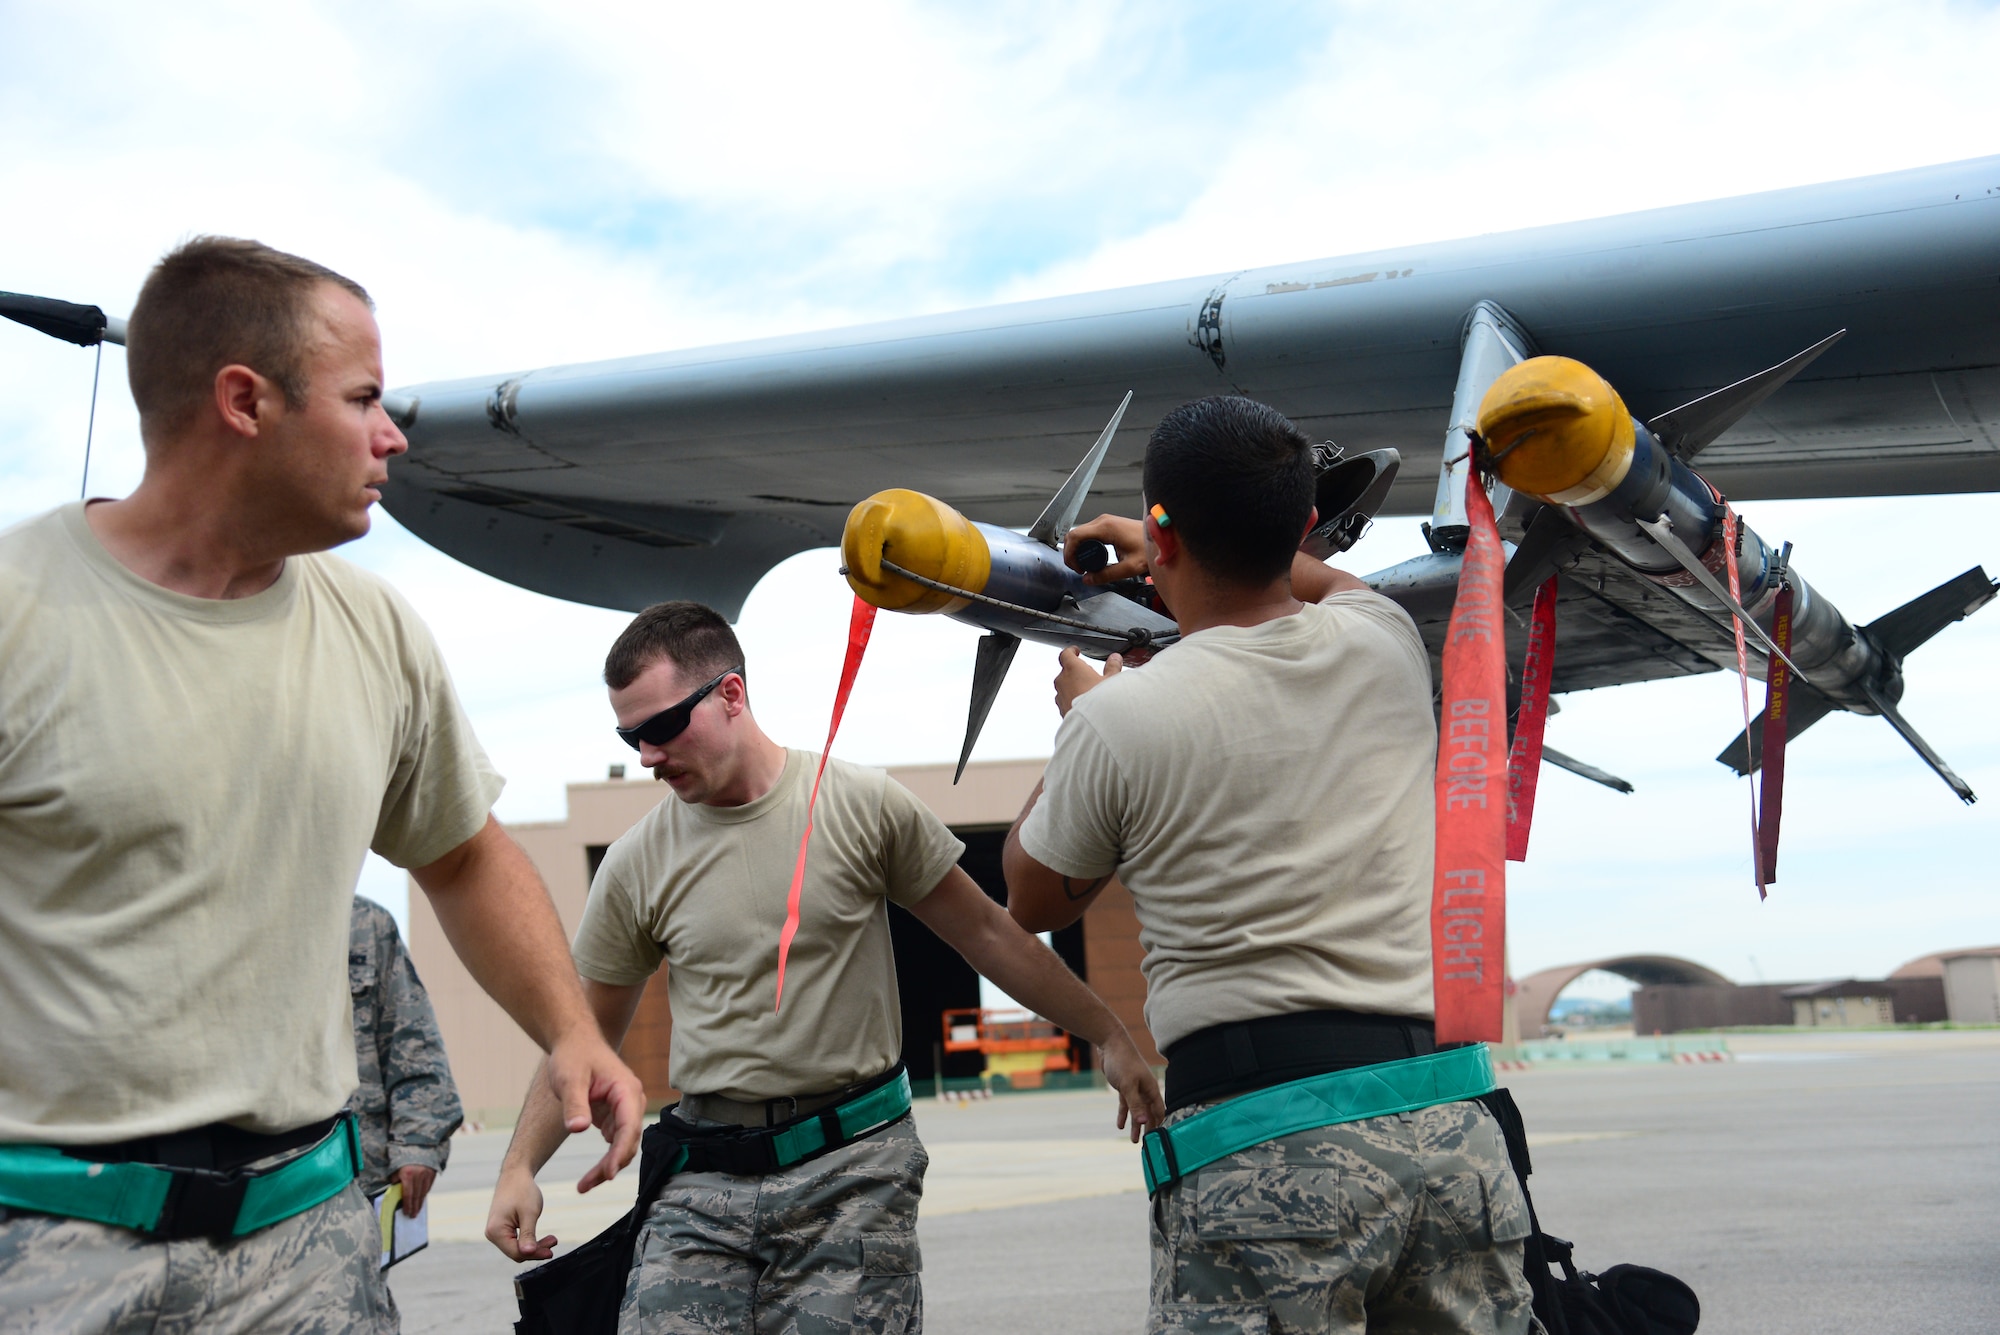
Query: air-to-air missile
904	551
1556	431
1566	454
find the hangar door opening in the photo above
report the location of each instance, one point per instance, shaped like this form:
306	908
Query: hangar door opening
932	978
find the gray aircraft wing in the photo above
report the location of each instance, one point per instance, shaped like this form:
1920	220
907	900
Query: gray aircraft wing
691	473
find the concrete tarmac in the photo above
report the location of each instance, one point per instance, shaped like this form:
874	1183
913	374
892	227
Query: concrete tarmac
1821	1182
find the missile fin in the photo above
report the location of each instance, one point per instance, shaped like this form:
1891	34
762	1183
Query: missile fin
1579	768
1692	427
1918	744
1054	523
1897	633
1746	753
989	669
1550	544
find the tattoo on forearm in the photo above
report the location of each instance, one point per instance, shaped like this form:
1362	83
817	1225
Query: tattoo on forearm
1076	890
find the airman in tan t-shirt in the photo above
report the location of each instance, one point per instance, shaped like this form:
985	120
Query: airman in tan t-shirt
701	884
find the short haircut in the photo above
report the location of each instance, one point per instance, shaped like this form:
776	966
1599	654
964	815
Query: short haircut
219	301
1236	480
693	636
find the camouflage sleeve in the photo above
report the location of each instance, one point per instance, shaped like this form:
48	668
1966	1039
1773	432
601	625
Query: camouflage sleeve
423	1102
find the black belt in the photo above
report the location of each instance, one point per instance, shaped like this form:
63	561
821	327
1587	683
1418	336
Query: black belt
862	1110
1226	1059
216	1147
578	1292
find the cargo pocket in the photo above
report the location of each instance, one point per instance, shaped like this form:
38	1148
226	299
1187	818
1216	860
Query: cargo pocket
1278	1201
1209	1319
890	1299
1485	1208
1506	1208
890	1254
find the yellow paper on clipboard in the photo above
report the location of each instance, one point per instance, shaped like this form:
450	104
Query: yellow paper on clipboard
402	1236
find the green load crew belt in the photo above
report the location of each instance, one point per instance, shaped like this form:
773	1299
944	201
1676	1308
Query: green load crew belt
141	1195
855	1118
850	1121
1381	1090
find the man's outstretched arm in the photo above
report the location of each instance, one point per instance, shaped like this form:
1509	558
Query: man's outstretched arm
994	944
517	1201
497	915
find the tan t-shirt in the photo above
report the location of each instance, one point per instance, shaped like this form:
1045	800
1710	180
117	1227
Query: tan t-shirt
704	888
187	789
1265	792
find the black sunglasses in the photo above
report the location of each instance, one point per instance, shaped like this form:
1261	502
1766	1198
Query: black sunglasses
672	721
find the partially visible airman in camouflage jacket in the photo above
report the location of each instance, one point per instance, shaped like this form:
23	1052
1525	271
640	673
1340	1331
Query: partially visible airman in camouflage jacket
407	1105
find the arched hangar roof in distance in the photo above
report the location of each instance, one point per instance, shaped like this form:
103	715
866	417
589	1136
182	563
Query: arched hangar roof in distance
1932	966
1537	992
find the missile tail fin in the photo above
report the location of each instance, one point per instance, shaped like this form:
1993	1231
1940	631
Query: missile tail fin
1916	621
1054	523
989	670
1919	745
1746	753
1583	770
1692	427
1897	634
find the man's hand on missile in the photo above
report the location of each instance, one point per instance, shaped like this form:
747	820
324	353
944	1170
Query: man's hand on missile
1074	676
1126	537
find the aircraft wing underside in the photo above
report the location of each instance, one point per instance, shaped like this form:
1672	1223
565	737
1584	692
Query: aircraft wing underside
690	474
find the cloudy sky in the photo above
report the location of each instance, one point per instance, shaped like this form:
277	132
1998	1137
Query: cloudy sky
521	184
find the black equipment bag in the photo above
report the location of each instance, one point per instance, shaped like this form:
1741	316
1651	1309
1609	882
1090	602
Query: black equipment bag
1624	1300
578	1293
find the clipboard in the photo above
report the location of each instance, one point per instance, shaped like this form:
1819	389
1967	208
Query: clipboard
402	1236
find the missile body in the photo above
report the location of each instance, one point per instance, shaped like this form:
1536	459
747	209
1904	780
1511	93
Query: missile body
1556	431
907	552
987	576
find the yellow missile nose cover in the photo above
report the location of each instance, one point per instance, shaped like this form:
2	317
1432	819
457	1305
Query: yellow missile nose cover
1557	430
920	534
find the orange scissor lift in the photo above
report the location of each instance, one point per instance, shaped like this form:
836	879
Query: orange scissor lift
1018	1044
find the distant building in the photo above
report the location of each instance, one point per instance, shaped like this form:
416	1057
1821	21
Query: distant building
1670	1008
1674	995
1847	1004
1972	987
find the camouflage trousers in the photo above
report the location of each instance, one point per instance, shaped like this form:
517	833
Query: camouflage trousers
825	1247
313	1274
1412	1222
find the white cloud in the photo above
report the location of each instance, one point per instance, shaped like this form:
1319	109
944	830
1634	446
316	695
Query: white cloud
526	184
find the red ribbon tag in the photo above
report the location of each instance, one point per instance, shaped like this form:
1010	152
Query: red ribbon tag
1729	531
1469	892
1777	719
859	625
1524	762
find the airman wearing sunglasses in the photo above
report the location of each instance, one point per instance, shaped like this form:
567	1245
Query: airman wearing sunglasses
826	1241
